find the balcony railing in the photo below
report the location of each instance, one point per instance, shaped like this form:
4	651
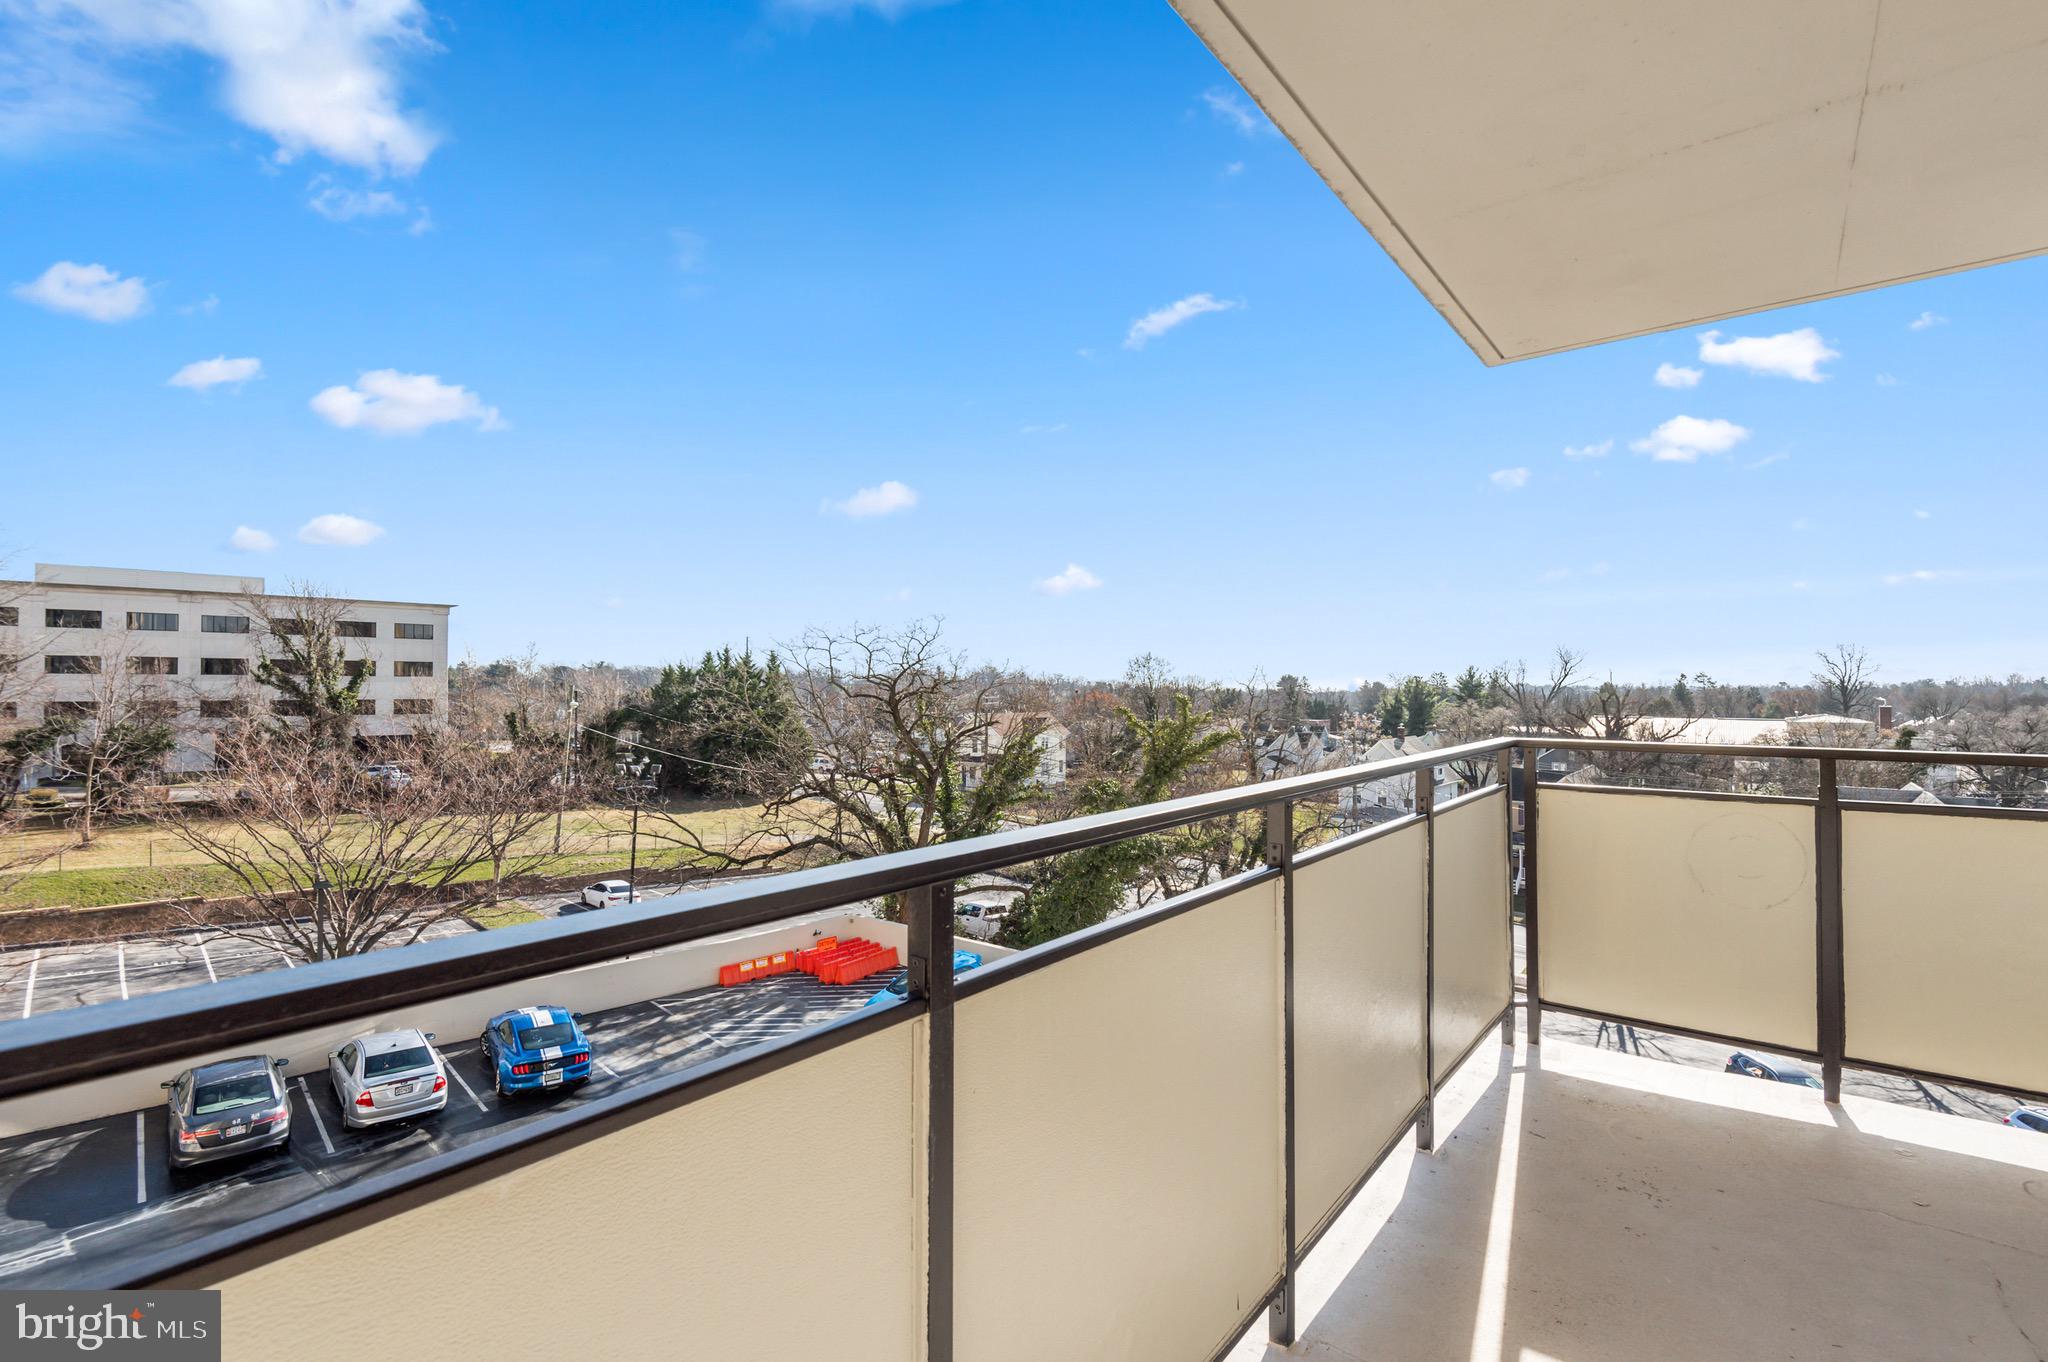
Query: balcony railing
1121	1143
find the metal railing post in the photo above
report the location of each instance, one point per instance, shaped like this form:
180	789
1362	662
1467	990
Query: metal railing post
1425	805
1503	768
930	918
1532	957
1280	853
1831	1003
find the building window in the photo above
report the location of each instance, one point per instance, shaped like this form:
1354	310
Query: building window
360	666
289	666
223	624
150	619
156	710
293	626
67	664
8	710
364	706
223	666
8	661
412	668
11	614
153	666
291	709
71	619
355	628
68	708
220	709
412	706
398	630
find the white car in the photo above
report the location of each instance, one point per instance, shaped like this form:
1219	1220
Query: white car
389	1076
607	894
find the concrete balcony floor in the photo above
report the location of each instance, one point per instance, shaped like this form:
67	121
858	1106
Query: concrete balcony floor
1587	1206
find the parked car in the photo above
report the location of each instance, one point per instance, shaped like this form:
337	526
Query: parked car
388	1076
2029	1118
606	894
531	1048
390	773
1775	1070
963	961
227	1109
980	920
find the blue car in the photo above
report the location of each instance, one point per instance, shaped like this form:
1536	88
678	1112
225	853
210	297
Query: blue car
963	961
533	1048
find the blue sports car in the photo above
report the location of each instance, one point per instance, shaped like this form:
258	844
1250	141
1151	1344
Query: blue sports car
532	1048
962	962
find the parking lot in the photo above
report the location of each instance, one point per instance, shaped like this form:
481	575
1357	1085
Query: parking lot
79	1196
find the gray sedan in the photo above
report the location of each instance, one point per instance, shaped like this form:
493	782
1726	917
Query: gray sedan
227	1109
389	1076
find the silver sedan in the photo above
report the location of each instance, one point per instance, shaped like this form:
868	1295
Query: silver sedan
389	1076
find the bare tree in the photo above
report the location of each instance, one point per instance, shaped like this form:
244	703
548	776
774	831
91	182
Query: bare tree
332	860
506	798
907	747
1844	679
2022	729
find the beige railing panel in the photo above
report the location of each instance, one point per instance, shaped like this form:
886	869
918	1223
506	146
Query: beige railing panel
1358	996
1696	913
1472	985
683	1235
1945	944
1117	1160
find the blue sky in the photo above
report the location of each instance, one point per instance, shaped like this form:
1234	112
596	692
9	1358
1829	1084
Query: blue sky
607	323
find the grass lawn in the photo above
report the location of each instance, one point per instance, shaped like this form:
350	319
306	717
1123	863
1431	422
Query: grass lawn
126	863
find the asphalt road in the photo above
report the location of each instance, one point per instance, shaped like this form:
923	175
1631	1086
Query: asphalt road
78	1197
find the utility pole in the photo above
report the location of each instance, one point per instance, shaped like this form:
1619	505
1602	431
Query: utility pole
568	761
633	856
320	888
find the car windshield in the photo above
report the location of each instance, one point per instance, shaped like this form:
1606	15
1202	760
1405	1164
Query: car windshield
539	1037
1804	1080
397	1061
224	1093
2034	1119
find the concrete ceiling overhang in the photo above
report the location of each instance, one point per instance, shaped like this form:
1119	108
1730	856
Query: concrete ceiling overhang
1557	174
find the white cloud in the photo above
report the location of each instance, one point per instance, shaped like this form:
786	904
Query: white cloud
1234	168
338	202
1789	354
1556	574
1923	575
346	531
1923	515
1599	451
1683	439
248	540
1802	524
202	374
1926	320
840	9
689	249
1887	381
1678	376
1073	578
1509	479
1233	109
317	76
90	291
392	403
206	306
1767	460
1159	321
1057	428
885	498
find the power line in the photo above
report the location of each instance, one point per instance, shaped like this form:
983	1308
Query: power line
662	751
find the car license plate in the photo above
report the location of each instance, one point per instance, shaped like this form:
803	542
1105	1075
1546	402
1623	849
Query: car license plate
235	1132
550	1078
402	1090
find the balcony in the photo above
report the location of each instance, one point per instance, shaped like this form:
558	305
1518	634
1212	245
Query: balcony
1278	1104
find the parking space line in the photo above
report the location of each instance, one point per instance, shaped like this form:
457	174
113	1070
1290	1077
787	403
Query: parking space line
211	977
141	1170
271	932
450	1069
606	1067
121	965
28	999
318	1124
663	1006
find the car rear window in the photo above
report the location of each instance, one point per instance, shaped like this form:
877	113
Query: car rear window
2035	1120
397	1061
224	1093
538	1037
